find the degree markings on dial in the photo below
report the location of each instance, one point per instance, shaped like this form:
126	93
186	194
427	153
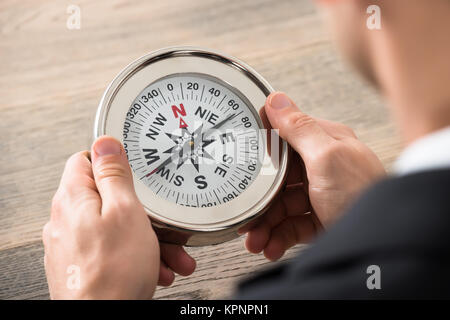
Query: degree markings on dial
143	177
159	90
154	101
217	196
221	103
128	119
203	89
238	113
233	186
236	176
242	169
145	106
244	132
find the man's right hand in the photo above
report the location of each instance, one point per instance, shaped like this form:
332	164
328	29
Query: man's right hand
338	167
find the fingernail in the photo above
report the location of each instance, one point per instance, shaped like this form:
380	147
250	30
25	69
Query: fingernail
106	147
279	101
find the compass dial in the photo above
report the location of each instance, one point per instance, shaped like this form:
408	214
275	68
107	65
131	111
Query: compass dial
193	140
203	162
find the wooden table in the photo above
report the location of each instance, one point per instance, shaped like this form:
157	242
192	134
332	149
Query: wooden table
52	78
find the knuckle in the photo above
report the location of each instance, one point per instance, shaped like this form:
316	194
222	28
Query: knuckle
332	152
326	155
349	131
66	200
298	124
50	234
46	233
298	120
74	158
125	203
110	170
352	132
57	202
332	149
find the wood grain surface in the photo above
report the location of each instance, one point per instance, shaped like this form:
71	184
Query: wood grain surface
52	78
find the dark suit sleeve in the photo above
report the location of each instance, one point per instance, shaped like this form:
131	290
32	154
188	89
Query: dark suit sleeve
399	225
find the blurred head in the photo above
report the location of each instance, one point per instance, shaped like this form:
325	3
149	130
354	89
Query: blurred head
346	20
408	58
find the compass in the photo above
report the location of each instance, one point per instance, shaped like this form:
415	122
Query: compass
190	121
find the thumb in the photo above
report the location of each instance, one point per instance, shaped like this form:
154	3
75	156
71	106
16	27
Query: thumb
111	170
300	130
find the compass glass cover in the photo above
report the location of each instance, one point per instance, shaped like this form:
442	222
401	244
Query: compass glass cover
193	140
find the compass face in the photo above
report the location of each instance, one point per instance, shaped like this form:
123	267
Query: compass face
189	120
193	140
